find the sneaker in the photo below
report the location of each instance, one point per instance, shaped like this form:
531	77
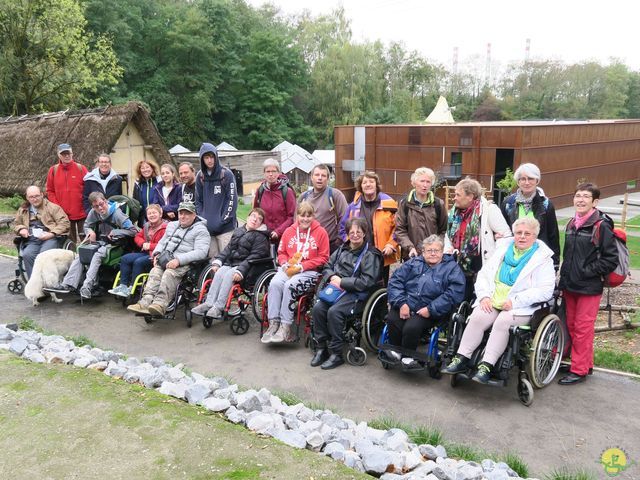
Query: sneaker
121	291
85	292
201	309
457	365
214	312
62	288
138	308
267	336
156	310
283	334
483	374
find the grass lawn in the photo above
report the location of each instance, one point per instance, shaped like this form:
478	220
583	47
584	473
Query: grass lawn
65	422
634	222
633	244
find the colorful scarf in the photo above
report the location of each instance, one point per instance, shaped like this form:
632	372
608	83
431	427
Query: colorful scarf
463	231
524	201
579	221
512	266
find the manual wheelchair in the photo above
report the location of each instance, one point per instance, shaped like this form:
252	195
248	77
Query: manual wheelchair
242	294
536	349
16	286
436	345
186	293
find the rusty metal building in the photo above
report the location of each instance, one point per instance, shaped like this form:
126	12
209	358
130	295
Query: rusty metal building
606	152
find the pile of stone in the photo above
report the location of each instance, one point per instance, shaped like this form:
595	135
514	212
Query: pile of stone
388	454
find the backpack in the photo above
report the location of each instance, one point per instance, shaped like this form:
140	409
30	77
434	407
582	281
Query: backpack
436	205
57	165
129	206
284	187
620	274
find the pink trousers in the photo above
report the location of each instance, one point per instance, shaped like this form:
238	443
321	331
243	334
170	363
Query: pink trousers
582	311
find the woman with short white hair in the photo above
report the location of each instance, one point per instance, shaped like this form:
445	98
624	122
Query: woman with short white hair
420	214
529	201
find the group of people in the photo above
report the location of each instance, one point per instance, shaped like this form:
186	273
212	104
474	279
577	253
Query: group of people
504	257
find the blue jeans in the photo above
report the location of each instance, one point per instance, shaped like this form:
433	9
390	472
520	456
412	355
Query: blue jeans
132	265
32	247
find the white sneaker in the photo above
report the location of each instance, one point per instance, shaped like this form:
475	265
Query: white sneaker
121	291
283	334
201	309
273	328
214	312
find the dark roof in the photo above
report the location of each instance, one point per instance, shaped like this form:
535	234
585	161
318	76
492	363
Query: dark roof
28	143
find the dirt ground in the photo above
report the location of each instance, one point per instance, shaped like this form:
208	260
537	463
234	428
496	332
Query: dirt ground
627	294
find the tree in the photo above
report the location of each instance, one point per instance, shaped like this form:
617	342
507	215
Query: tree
48	60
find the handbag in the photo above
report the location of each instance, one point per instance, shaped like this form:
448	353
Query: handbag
165	257
330	293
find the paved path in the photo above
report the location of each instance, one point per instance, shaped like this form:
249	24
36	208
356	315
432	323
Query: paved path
564	426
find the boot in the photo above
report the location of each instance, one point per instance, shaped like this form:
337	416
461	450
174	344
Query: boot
335	360
321	355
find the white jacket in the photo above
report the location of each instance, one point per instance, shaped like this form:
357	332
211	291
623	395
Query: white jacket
491	223
535	283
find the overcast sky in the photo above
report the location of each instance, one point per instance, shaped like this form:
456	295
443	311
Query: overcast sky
566	30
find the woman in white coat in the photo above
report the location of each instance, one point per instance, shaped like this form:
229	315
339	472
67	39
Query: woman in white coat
475	228
518	276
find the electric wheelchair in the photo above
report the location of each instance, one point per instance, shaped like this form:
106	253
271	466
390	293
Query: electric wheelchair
536	349
251	291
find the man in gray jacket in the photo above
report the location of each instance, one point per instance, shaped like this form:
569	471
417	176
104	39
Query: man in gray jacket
187	240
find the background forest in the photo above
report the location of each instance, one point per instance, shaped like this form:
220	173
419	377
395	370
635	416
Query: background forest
223	70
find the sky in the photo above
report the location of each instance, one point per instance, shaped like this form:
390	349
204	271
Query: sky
566	30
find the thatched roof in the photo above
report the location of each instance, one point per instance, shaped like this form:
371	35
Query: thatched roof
28	143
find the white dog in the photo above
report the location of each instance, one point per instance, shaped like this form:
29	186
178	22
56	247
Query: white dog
49	269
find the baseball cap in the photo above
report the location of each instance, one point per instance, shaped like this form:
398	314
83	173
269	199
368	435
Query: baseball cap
64	147
189	206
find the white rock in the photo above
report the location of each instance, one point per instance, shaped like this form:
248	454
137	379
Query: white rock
216	404
376	461
30	336
264	396
6	335
196	393
496	474
83	361
34	356
175	375
177	390
376	435
18	345
470	472
154	361
334	447
234	415
311	426
428	451
260	423
249	401
441	451
396	440
314	441
291	438
305	414
353	460
411	459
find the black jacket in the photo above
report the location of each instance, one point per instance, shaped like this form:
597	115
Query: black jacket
245	245
585	264
342	263
545	213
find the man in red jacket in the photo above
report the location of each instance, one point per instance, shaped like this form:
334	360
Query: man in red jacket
64	187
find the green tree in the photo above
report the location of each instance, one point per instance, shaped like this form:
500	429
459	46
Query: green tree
48	60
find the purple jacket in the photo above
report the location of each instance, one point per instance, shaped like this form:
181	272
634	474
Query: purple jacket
175	196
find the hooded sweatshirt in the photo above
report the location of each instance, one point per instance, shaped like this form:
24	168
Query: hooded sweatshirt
279	212
94	181
315	251
216	198
113	220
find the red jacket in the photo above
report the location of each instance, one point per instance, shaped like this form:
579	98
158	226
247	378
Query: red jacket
141	237
64	187
315	253
278	211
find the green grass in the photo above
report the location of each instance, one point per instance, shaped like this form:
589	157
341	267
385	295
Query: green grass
12	252
565	474
633	244
633	222
243	211
623	361
9	205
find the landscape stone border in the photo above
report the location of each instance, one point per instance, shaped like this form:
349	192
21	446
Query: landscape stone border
387	454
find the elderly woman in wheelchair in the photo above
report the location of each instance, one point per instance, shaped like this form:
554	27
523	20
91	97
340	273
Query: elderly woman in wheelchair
353	271
510	286
421	293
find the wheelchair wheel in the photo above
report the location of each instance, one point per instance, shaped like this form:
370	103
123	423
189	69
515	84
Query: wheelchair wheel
205	274
260	293
373	315
188	316
546	351
525	391
207	322
239	325
434	371
356	356
15	286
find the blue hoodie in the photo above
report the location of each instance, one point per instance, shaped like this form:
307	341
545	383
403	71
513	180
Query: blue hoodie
216	197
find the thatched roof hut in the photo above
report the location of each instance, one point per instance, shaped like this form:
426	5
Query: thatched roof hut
28	143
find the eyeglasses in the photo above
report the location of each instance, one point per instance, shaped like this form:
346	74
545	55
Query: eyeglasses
527	179
433	251
356	234
522	234
584	196
34	196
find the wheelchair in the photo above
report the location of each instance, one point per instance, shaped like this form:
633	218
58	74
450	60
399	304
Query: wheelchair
16	286
302	301
536	349
137	287
186	293
242	294
436	345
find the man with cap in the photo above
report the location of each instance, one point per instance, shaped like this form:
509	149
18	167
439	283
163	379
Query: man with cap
216	198
186	241
41	224
65	184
